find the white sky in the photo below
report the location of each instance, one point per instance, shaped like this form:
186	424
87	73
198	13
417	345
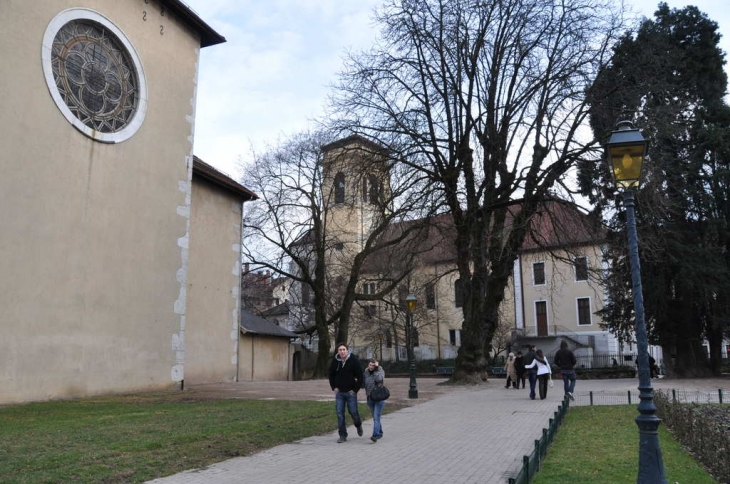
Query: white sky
272	76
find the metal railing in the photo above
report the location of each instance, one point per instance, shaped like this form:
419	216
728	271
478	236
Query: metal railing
630	397
531	463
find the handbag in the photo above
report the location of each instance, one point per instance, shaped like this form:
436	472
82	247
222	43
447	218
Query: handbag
379	393
550	382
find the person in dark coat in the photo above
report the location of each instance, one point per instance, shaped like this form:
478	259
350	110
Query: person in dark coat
565	359
520	368
531	369
346	380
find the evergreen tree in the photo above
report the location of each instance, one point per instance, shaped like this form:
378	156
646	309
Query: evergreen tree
668	78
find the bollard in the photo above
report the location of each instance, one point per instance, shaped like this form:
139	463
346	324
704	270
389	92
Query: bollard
590	394
719	394
629	397
674	395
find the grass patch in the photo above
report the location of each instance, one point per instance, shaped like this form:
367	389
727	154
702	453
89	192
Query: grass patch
600	444
134	439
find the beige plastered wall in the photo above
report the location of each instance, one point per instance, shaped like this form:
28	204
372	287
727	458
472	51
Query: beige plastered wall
94	237
213	284
264	358
561	291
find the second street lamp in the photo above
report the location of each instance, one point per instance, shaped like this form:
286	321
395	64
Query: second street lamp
625	150
411	306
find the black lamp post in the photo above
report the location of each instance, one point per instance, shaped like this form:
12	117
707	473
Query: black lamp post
381	337
411	306
625	150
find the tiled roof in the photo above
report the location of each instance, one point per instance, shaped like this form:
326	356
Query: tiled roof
208	36
257	325
204	170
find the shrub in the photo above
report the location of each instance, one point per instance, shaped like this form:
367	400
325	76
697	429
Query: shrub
704	429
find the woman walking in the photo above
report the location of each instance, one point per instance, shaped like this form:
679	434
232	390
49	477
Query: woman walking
509	367
543	373
372	376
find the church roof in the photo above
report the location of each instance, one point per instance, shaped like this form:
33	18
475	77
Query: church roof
208	36
204	170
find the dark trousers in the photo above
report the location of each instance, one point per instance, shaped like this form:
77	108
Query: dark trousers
510	381
532	375
543	385
521	378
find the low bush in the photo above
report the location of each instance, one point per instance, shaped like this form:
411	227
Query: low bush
703	429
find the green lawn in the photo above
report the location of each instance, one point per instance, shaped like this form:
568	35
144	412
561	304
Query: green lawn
133	439
600	444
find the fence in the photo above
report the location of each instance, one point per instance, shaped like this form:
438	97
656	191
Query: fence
531	463
630	397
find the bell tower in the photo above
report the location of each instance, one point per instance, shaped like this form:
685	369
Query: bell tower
355	191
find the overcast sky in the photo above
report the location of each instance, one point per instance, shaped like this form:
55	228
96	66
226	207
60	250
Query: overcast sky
272	76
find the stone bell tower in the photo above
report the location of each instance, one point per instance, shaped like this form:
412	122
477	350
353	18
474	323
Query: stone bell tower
356	193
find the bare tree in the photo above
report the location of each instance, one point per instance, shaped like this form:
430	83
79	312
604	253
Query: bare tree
302	227
485	99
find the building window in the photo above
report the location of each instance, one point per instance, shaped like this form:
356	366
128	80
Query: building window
305	294
340	188
339	246
458	293
402	295
388	340
374	190
369	288
538	273
430	296
581	268
455	337
584	311
94	75
370	310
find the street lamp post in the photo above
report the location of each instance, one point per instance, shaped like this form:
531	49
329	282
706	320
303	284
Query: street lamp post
381	337
625	150
411	306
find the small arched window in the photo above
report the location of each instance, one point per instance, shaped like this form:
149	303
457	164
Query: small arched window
340	188
374	190
458	293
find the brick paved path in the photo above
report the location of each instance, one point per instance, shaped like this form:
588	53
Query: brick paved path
465	436
450	435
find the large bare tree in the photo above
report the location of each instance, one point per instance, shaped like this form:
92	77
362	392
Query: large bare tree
295	229
485	99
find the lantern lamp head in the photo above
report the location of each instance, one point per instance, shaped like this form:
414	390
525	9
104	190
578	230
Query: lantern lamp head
411	302
625	150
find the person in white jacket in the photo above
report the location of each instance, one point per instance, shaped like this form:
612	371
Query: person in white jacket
543	373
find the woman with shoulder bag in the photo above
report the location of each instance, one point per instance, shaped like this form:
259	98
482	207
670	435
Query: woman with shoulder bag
374	376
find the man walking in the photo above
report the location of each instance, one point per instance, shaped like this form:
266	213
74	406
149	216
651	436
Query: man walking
532	371
346	380
565	359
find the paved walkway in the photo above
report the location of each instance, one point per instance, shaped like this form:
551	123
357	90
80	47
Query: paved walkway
460	435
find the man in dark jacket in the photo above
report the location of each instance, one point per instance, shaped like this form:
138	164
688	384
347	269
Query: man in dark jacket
346	380
565	359
532	372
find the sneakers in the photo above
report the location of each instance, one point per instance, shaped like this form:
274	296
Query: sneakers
359	431
341	440
570	395
374	439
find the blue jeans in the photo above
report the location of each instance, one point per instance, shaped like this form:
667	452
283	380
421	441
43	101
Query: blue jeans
568	380
349	399
376	409
532	375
